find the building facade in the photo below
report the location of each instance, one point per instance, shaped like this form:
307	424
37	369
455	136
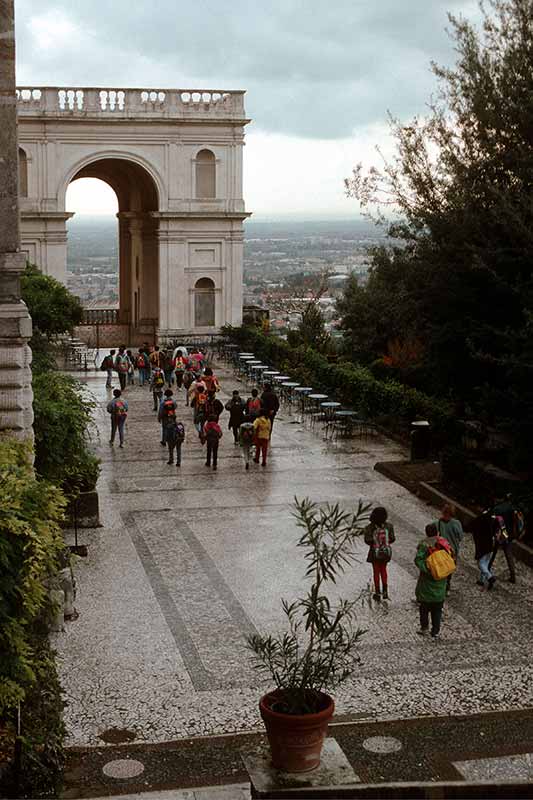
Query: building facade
174	159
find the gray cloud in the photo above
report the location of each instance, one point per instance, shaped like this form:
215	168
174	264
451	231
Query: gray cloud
312	69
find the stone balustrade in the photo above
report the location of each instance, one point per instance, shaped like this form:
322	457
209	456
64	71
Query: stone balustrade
128	103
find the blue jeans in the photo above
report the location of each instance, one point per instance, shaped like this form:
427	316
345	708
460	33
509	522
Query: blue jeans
117	423
484	569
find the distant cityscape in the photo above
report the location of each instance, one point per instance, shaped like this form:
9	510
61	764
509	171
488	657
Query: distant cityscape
286	263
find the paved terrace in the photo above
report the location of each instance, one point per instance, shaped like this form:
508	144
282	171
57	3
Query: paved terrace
189	561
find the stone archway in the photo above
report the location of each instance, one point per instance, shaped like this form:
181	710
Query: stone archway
138	202
174	159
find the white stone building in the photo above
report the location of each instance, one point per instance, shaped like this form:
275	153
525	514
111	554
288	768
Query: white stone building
174	160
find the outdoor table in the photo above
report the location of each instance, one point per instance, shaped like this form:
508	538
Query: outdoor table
330	407
301	392
317	398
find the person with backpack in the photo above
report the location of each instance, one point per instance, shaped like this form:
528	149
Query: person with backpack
213	405
188	379
198	404
262	430
167	367
379	536
142	364
172	432
122	365
118	408
246	439
270	402
212	434
431	584
505	531
482	530
236	407
107	365
179	369
450	529
131	368
157	384
253	405
210	380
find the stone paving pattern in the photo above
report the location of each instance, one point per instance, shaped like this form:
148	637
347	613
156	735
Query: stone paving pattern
189	561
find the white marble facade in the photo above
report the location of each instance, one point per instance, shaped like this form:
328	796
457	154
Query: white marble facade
174	159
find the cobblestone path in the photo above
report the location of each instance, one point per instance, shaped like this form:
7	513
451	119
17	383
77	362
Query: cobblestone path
189	561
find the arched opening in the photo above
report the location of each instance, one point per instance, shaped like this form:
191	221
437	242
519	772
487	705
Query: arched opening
23	173
92	244
137	248
206	175
204	303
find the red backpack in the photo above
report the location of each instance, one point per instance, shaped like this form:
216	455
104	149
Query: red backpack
120	408
169	410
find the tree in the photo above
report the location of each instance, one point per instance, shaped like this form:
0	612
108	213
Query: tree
461	186
53	308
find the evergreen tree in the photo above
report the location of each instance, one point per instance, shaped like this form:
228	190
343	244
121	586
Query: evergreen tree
461	182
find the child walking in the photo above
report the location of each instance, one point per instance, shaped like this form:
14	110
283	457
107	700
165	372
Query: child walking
118	408
212	433
379	535
246	439
262	429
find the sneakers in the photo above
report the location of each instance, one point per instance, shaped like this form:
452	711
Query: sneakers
385	594
435	636
422	632
377	597
491	583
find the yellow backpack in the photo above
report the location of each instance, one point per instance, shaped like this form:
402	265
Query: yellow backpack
440	564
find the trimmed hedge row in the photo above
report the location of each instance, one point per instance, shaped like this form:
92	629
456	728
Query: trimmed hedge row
389	401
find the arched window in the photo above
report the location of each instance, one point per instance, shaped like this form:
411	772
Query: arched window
205	174
204	303
23	173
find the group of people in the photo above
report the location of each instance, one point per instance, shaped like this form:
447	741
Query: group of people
173	365
250	421
438	553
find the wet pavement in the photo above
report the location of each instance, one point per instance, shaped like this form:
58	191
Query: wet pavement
189	561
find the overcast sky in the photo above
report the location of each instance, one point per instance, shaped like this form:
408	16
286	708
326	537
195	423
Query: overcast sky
320	76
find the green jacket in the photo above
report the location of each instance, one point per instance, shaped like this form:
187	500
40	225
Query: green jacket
452	531
428	590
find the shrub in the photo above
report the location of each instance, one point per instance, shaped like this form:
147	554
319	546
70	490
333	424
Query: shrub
52	307
63	427
353	384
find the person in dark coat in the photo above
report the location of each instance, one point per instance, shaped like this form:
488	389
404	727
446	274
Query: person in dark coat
482	530
270	402
236	407
213	406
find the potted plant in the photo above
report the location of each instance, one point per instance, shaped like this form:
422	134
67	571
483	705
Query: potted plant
318	651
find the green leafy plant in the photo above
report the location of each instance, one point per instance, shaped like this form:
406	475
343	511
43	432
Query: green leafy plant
318	652
63	429
52	307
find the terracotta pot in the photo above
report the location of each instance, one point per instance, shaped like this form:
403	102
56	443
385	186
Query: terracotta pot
295	740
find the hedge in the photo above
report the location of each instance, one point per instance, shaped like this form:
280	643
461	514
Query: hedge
31	546
353	385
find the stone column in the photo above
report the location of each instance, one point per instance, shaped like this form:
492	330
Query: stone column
16	414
